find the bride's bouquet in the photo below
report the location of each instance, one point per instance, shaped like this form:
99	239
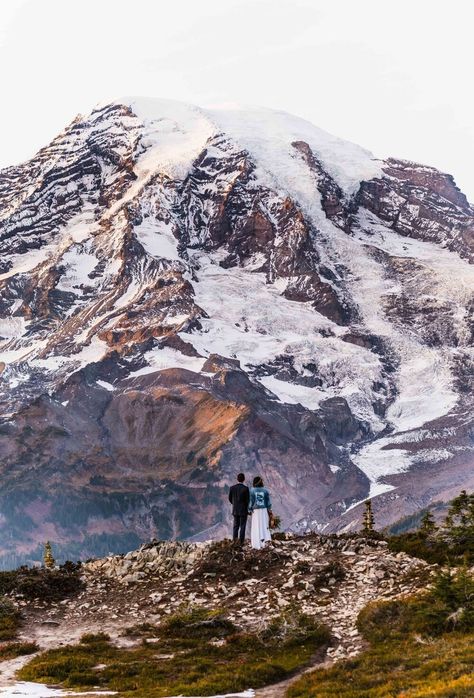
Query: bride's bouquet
274	522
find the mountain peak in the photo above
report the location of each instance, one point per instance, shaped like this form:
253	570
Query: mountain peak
187	290
266	134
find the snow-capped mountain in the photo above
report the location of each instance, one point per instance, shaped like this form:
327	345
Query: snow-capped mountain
188	292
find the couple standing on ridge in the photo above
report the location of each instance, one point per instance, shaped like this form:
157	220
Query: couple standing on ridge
255	503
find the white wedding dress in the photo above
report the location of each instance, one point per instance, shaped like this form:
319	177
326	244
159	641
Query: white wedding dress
260	533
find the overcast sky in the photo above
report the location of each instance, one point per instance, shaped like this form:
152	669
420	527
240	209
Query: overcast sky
394	76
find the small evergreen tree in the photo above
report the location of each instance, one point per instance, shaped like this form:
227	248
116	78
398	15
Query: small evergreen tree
427	525
49	561
368	520
454	594
459	523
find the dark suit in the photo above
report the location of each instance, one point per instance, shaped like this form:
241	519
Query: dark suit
239	498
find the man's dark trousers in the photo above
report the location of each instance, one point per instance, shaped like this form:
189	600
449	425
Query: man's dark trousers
239	497
240	522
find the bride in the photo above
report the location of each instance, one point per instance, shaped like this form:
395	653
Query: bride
260	509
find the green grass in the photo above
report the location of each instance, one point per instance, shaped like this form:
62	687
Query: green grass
420	646
198	653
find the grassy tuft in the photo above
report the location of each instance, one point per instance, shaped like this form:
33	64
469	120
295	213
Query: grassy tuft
94	638
195	622
143	630
10	650
447	607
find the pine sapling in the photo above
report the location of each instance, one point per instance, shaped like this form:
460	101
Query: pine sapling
428	526
48	559
459	523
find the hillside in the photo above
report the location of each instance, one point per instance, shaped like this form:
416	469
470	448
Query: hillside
329	580
308	616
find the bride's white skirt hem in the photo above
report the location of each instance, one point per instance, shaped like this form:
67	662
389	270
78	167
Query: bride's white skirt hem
260	533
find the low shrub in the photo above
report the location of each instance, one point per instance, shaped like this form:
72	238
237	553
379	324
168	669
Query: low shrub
447	607
141	630
450	542
94	638
197	622
9	619
294	626
10	650
433	550
40	583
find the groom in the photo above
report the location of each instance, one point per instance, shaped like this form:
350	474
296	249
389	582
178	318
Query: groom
239	498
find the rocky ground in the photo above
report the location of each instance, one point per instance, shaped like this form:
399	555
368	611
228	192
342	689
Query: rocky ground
331	578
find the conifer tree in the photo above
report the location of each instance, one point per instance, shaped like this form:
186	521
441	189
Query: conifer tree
49	561
368	520
428	525
459	523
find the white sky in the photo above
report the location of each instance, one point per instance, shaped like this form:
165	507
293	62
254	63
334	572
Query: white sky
394	76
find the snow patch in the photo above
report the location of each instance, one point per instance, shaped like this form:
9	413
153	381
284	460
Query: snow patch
106	386
94	351
251	321
293	393
157	239
159	359
12	327
24	263
77	229
425	387
174	135
79	264
268	135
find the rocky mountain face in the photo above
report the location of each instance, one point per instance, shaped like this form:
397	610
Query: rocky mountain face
188	293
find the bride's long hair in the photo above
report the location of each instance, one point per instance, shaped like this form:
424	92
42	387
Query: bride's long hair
257	481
